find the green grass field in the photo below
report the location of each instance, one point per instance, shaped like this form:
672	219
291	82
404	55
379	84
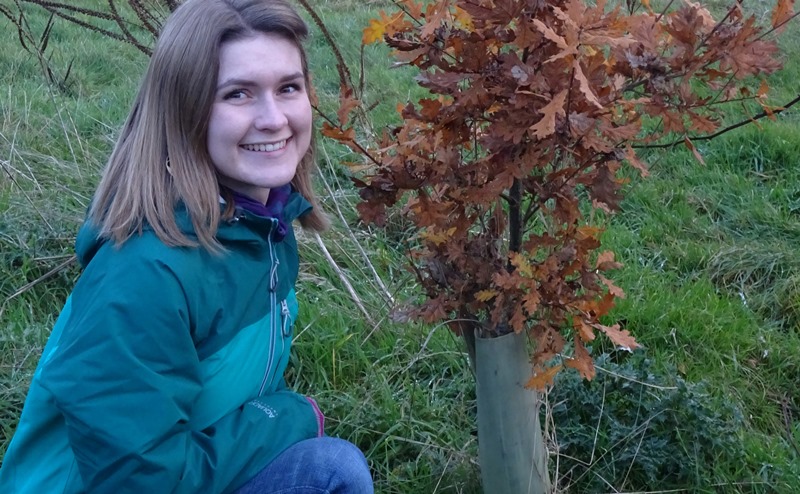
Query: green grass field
711	271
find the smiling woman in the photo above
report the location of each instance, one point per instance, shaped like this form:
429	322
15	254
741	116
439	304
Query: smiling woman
260	125
164	370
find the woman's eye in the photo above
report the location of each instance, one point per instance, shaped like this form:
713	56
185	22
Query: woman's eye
237	94
290	88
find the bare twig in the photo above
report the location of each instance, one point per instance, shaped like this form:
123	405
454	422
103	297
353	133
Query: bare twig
597	427
149	21
35	282
118	19
664	11
663	388
67	12
358	147
638	446
343	278
780	25
424	346
378	280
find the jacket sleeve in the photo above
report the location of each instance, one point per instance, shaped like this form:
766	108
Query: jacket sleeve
124	376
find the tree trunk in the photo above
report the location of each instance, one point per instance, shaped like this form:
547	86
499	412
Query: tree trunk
511	447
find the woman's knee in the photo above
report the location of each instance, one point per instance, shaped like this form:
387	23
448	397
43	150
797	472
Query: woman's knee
342	459
341	452
320	465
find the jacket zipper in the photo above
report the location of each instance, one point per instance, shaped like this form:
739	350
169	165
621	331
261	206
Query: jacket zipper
284	323
273	285
285	319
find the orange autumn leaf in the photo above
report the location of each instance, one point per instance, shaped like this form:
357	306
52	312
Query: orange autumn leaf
770	111
485	295
605	261
550	34
338	133
377	28
582	361
694	150
547	125
413	8
518	321
587	231
373	32
347	103
584	85
612	288
606	304
434	16
634	161
437	237
463	18
763	89
702	123
531	302
620	337
542	378
584	330
783	11
357	168
522	264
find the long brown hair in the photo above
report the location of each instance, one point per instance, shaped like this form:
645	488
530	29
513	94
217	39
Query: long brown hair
161	155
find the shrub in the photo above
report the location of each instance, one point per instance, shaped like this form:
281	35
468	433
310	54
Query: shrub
633	428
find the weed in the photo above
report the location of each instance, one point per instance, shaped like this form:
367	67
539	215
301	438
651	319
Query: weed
638	428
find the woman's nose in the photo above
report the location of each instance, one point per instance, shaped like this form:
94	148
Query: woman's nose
269	115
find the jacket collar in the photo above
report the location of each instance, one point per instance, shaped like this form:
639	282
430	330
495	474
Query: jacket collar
245	227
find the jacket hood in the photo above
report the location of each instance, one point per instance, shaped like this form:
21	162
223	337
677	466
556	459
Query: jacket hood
244	228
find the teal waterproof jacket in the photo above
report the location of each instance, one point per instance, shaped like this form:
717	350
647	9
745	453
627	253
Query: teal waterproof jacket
164	370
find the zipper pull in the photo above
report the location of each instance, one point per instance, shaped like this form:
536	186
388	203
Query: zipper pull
273	276
286	329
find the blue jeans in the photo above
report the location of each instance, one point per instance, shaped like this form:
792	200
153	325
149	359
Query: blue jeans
323	465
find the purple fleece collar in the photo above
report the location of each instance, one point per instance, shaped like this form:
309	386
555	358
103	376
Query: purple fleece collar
278	197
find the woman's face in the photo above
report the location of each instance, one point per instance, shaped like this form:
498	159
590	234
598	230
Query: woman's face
260	124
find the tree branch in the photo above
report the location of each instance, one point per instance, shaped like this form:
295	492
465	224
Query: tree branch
355	144
727	129
780	25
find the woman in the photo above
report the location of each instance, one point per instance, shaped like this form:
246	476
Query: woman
164	370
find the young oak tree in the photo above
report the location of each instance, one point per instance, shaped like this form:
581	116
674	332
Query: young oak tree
534	108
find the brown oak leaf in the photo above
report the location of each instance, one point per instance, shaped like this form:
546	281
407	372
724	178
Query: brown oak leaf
620	337
542	377
547	125
582	361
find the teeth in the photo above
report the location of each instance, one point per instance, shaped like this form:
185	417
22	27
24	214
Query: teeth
265	147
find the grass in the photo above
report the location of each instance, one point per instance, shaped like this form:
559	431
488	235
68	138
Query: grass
711	272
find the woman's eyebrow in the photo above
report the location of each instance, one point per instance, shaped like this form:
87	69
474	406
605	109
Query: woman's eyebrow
235	81
292	77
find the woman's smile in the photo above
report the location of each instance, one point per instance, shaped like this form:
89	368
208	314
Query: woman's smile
265	147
